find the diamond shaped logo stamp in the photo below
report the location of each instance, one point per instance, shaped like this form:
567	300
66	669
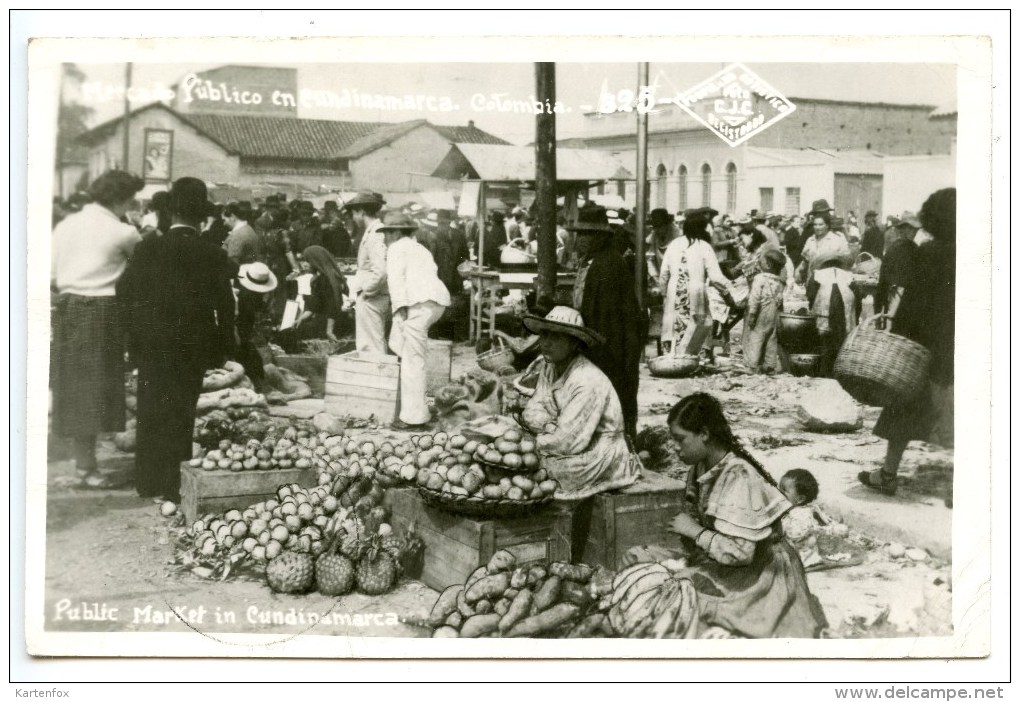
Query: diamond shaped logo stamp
735	103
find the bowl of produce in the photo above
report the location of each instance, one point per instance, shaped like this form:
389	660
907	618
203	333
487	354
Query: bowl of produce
673	366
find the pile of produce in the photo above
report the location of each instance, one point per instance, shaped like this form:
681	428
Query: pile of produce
503	469
502	599
294	448
334	536
237	425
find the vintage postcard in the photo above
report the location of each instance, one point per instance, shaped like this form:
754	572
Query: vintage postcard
576	347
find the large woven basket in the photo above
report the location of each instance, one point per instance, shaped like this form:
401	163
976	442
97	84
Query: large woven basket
474	506
866	264
880	368
498	356
673	365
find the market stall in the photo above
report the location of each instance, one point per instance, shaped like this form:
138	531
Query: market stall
492	176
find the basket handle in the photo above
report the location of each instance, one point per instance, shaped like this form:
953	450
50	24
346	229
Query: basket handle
863	253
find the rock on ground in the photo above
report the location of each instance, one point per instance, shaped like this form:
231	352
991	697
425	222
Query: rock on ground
828	408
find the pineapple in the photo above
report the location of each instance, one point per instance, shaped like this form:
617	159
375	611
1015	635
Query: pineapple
334	574
290	572
377	570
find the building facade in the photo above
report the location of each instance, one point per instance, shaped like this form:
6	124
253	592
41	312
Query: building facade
824	149
251	152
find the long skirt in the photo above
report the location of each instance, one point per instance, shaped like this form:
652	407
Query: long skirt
168	390
929	417
87	366
768	598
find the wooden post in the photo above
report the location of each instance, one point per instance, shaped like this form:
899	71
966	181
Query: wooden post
545	186
127	118
642	191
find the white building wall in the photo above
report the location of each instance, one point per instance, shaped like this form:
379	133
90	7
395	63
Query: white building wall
909	180
815	182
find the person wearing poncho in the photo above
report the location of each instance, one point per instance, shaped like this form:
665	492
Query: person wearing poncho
575	412
749	581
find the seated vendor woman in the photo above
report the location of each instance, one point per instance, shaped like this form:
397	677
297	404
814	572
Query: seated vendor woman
323	308
575	412
748	579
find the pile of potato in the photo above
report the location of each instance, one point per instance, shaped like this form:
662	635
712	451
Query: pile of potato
504	469
502	599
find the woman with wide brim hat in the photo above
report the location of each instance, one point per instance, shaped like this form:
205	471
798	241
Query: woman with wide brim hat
419	299
604	295
575	412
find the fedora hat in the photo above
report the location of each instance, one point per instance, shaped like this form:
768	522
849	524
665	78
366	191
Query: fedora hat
190	197
659	217
396	221
591	219
820	207
563	320
365	198
256	277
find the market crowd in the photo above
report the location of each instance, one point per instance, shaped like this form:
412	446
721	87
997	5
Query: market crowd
183	284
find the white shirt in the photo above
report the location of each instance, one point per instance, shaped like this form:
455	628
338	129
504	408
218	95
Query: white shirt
412	275
90	252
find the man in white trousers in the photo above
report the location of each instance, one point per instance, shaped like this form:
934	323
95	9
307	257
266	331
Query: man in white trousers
419	298
372	304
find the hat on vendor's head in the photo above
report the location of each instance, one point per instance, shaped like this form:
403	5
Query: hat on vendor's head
758	216
591	218
563	320
396	221
659	217
256	277
329	205
365	198
820	207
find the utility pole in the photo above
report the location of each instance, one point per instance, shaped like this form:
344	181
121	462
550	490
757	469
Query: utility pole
545	186
127	117
642	189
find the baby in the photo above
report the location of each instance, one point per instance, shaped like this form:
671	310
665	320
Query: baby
799	524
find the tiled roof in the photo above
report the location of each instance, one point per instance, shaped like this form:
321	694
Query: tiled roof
281	137
305	139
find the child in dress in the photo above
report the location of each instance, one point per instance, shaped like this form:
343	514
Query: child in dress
764	303
799	524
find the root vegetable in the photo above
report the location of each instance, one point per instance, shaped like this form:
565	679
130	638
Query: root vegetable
455	620
483	607
519	578
549	620
479	625
519	608
489	587
536	576
588	627
580	573
501	561
463	607
547	595
445	605
445	632
576	593
502	606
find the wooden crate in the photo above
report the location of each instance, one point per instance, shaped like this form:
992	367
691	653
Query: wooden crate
438	363
606	526
455	545
204	491
363	387
311	368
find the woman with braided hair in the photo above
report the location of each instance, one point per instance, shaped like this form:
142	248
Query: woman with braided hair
749	580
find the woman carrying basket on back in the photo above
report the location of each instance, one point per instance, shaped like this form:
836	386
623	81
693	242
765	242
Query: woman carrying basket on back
927	315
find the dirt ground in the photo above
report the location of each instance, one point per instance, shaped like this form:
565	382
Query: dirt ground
111	550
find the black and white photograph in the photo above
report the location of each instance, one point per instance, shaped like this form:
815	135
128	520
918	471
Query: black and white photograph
572	353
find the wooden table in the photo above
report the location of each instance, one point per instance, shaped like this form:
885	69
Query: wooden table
487	281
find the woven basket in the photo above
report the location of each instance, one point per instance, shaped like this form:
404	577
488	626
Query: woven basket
474	506
880	368
498	356
673	366
866	264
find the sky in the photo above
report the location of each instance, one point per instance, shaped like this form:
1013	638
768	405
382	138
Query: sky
475	88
